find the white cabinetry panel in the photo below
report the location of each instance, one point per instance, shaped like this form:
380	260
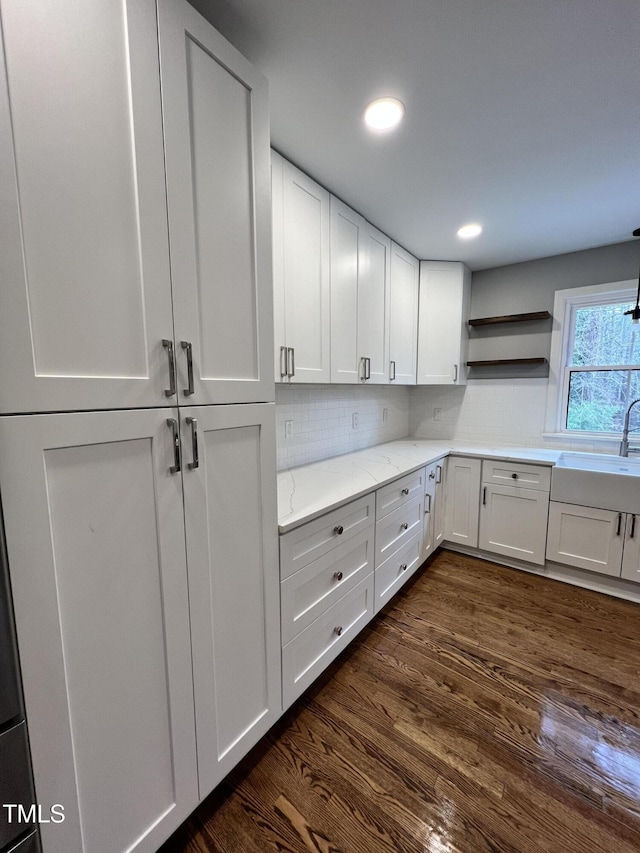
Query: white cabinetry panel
631	556
588	538
513	522
83	245
301	275
95	540
373	305
396	570
219	197
462	501
442	329
233	580
403	316
347	234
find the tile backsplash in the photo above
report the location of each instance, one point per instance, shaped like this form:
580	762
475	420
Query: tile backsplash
322	419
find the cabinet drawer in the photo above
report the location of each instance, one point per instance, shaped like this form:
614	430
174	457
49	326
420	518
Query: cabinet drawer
306	656
515	474
309	592
397	528
396	570
305	544
399	493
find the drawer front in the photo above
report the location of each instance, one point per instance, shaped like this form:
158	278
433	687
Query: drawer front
306	656
15	780
396	570
311	591
515	474
305	544
397	528
399	493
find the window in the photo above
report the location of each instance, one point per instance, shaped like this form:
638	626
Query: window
595	361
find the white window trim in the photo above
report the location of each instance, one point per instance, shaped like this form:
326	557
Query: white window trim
561	340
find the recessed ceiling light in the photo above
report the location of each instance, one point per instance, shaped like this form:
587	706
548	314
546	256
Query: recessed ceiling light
384	114
467	232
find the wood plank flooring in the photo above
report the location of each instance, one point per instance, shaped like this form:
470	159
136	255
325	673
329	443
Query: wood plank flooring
485	710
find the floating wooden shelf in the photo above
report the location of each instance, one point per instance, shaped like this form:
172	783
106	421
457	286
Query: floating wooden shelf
510	318
507	361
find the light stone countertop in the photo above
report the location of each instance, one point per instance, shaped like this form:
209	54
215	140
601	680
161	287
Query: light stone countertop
306	492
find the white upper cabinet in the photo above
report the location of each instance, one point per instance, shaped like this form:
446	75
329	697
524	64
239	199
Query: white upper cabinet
403	316
84	264
219	198
301	275
443	315
95	539
360	262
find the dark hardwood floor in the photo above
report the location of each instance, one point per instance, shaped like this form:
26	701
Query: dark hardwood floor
484	711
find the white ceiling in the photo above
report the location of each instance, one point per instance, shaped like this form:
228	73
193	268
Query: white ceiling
523	115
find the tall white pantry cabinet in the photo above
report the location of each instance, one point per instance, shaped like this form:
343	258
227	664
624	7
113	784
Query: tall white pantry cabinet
135	261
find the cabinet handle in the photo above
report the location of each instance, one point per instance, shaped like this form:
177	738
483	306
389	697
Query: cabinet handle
171	390
338	529
484	496
284	361
172	423
403	567
514	476
455	372
633	527
619	524
405	526
194	443
439	474
392	370
186	345
291	370
428	510
337	576
405	491
432	475
338	630
366	368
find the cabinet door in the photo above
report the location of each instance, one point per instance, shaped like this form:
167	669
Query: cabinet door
513	522
347	234
463	501
280	365
442	328
373	305
403	316
428	528
218	190
95	540
588	538
631	555
232	553
306	274
439	503
84	259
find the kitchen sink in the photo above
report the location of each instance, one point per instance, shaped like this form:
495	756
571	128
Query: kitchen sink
603	481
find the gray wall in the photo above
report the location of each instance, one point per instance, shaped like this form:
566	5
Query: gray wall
531	286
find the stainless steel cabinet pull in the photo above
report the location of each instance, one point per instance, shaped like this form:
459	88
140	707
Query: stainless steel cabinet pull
428	510
339	529
291	365
338	630
455	372
439	473
171	390
403	567
186	345
366	368
484	496
392	370
514	476
405	491
337	576
284	370
619	524
368	376
405	526
194	443
633	527
172	423
432	475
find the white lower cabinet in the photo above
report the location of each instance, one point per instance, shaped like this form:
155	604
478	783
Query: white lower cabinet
95	538
428	545
599	540
396	570
462	500
232	555
439	502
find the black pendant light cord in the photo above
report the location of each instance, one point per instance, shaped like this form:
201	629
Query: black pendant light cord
635	312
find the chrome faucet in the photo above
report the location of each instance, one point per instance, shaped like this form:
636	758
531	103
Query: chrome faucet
624	444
